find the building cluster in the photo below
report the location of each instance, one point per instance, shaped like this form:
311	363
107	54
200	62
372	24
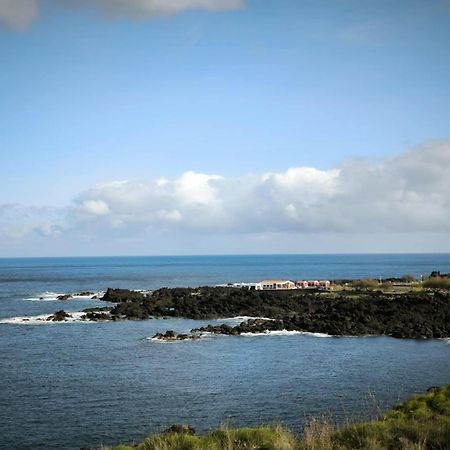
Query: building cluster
278	285
287	284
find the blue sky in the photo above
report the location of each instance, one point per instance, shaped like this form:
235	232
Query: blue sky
96	95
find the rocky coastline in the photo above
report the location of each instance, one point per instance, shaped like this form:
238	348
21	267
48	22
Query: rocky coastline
424	314
417	314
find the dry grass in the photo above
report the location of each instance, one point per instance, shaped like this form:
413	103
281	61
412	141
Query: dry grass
437	283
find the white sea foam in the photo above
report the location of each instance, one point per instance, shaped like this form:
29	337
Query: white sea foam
53	296
286	333
45	297
42	319
164	341
240	319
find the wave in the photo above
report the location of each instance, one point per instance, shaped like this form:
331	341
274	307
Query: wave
42	319
207	334
53	296
286	333
243	319
165	341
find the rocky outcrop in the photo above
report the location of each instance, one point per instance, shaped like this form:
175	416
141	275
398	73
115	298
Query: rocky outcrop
97	314
411	315
424	314
59	316
171	335
122	296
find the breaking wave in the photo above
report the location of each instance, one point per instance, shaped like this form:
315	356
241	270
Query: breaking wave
43	319
287	333
53	296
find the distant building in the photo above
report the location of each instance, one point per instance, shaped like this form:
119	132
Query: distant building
277	284
303	284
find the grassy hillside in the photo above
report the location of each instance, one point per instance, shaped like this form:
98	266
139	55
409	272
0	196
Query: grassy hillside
423	422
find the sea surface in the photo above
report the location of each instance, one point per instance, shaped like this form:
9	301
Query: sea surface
69	385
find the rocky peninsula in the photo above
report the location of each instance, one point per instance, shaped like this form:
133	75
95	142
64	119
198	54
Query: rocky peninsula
421	314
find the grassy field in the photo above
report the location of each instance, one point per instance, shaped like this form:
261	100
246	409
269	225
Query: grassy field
423	422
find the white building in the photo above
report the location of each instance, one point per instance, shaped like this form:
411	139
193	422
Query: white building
277	284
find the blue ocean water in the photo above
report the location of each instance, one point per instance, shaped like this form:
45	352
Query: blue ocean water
64	386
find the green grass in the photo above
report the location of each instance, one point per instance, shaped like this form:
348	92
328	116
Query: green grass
421	423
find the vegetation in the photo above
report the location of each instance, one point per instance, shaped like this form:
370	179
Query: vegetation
437	283
367	283
386	286
422	423
408	278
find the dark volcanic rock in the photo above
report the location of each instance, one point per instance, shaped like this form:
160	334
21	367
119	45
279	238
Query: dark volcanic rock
85	294
401	318
98	309
171	335
134	311
64	297
95	316
409	315
59	316
122	295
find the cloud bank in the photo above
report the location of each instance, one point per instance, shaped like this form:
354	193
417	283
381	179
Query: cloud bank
405	194
19	14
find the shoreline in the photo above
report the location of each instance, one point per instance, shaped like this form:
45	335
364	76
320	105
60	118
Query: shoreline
424	314
356	311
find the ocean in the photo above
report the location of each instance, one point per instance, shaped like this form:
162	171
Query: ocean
69	385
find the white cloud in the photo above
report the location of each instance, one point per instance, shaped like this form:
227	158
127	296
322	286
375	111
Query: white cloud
94	208
405	195
196	188
19	221
19	14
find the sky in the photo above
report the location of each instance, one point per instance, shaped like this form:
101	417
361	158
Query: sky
142	127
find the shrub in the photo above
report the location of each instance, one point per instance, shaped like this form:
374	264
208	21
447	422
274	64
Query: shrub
386	286
367	283
437	283
408	278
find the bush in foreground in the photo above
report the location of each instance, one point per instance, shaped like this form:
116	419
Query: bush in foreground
422	423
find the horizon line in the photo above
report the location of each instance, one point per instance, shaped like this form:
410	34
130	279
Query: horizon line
226	255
